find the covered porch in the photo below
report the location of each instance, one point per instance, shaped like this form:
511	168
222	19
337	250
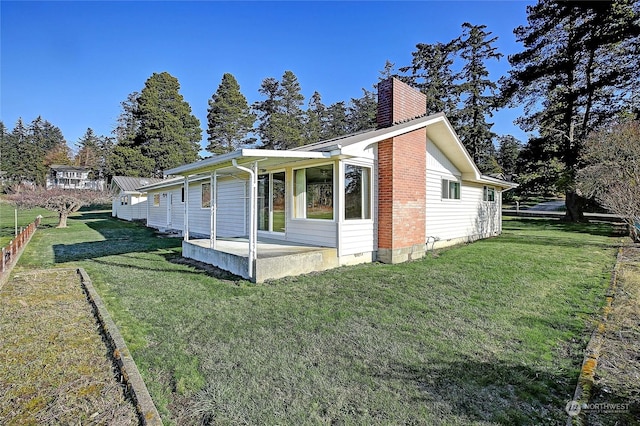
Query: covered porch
273	258
230	190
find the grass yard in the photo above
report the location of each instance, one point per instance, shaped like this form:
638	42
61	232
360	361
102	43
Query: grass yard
487	333
54	364
25	217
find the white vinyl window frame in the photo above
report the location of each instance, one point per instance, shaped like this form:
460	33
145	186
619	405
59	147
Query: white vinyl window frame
451	189
489	194
365	176
300	199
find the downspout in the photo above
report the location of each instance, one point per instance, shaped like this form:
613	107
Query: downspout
213	204
253	217
185	232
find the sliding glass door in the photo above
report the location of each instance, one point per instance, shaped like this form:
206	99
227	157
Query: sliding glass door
271	202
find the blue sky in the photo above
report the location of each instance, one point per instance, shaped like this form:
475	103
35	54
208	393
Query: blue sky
74	62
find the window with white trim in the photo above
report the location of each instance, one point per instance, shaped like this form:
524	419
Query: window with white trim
450	189
156	200
489	194
205	200
313	192
357	192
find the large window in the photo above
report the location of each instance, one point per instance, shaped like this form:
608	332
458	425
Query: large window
271	192
450	189
357	192
156	200
206	195
314	192
489	194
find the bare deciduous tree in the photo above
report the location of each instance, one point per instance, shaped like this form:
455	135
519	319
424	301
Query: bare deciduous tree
611	174
62	201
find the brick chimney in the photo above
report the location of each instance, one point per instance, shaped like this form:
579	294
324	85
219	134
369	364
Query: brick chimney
402	182
398	102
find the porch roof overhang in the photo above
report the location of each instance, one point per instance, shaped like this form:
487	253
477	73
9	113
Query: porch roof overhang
267	158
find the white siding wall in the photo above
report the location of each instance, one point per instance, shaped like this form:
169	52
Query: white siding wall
231	212
357	237
233	208
177	209
468	218
135	209
157	214
360	236
313	232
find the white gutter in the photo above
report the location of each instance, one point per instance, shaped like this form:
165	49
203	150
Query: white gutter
213	205
253	217
185	232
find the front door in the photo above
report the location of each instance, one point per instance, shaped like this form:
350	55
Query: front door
271	202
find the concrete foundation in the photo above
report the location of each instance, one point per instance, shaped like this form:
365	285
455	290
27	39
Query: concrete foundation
403	254
275	259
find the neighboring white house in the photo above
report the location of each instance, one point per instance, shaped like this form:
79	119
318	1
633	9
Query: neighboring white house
72	177
128	202
388	194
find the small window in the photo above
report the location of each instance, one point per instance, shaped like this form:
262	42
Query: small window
206	195
156	200
489	194
450	189
357	193
124	200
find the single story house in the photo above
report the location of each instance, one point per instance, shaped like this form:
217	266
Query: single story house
389	194
128	202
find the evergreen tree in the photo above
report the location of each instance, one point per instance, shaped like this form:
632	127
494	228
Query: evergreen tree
431	72
265	110
362	112
337	121
316	119
156	130
169	134
48	146
229	117
508	151
478	100
289	119
576	73
89	153
126	158
280	116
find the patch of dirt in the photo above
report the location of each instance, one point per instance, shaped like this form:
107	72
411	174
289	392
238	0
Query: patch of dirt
616	395
56	369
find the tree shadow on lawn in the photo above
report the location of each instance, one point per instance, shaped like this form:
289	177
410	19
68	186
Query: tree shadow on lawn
120	237
196	268
601	229
490	391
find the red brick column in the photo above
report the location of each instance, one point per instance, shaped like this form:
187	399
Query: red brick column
401	175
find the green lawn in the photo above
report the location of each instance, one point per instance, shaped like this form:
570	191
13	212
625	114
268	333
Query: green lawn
487	333
25	217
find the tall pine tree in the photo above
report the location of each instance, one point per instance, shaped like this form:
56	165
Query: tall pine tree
229	117
156	131
280	116
577	72
477	91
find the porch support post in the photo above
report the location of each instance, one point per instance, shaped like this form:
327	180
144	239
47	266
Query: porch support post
185	232
214	209
253	217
